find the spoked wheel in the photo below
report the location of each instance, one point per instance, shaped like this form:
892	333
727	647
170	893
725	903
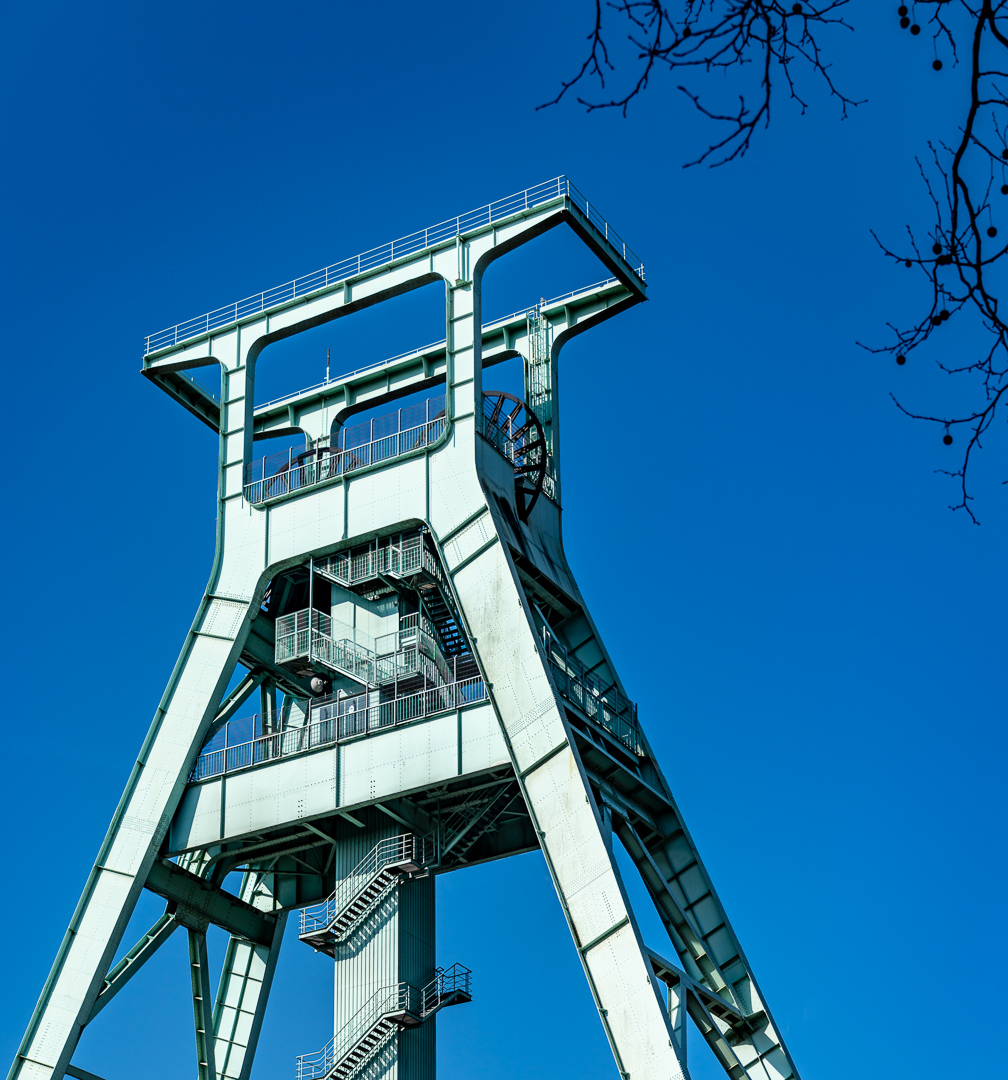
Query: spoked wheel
515	430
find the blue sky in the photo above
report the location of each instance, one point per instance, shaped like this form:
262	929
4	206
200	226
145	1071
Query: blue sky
815	642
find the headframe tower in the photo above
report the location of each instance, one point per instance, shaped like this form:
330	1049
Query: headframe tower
432	693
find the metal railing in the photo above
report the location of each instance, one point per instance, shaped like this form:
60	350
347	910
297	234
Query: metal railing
395	850
440	344
296	638
389	1004
411	630
605	705
395	1000
328	725
433	236
446	983
551	482
413	650
398	556
275	475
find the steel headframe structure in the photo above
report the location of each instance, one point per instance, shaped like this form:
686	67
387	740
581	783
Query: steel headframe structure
433	693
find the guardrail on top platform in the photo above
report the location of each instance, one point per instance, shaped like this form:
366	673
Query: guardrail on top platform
384	254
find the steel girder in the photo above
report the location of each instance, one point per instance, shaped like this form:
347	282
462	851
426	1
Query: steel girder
244	987
463	489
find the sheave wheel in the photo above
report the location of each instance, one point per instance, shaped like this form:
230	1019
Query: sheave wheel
514	429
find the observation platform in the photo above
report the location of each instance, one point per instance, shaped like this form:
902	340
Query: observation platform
336	289
386	439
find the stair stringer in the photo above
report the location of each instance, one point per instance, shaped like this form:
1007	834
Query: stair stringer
556	790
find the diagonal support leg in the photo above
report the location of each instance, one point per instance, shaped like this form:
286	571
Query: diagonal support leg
199	971
684	935
758	1049
564	813
189	705
130	847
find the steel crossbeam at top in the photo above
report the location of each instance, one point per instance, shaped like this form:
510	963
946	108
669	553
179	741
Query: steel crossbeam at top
435	236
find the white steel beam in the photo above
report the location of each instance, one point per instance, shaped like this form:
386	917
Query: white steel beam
559	800
313	409
244	988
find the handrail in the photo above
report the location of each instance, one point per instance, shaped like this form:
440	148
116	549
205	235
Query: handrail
332	727
332	463
433	236
399	557
396	1000
605	705
279	474
393	850
426	348
453	980
412	648
388	1001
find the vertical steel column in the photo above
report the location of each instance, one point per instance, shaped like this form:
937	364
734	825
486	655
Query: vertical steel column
200	975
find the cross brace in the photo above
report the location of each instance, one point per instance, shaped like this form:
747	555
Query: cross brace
213	904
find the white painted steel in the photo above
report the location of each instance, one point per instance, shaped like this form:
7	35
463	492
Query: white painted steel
462	488
570	830
422	241
338	777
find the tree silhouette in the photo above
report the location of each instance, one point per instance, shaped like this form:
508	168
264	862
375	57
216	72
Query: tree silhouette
768	48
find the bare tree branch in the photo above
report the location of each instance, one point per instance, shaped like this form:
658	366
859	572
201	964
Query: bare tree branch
766	45
960	180
717	35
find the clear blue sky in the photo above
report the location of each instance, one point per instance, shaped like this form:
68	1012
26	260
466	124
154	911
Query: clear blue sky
815	642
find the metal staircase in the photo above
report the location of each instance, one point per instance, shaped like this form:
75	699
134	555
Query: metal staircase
390	1008
442	616
329	924
412	559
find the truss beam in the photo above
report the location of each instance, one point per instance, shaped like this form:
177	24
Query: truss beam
682	931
